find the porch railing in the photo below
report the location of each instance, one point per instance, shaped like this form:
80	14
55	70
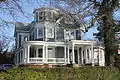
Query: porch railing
48	60
35	60
55	60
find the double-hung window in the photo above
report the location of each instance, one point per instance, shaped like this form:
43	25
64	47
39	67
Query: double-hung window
40	33
50	33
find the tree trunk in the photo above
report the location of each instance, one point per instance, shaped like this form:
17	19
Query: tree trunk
108	32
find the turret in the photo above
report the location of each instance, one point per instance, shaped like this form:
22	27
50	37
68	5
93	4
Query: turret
45	14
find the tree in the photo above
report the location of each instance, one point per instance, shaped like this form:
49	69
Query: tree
109	28
5	44
10	11
85	14
99	13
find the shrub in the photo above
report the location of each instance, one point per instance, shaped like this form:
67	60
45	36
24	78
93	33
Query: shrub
82	73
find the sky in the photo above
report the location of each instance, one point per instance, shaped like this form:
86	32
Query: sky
29	8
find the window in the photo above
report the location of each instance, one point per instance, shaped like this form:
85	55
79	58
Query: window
48	15
71	35
78	34
50	53
19	40
40	33
50	33
66	35
32	36
40	16
36	16
88	57
32	52
40	53
60	34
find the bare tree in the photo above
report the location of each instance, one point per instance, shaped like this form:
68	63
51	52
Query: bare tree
84	13
95	13
10	11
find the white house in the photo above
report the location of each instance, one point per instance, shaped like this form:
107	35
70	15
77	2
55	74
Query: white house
43	41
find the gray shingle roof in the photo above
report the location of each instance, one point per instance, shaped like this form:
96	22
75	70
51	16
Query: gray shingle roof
20	26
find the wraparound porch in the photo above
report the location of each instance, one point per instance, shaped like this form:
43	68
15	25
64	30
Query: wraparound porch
77	52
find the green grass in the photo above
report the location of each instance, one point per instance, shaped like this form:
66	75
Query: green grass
82	73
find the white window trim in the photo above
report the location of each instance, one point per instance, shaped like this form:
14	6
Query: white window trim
42	32
52	33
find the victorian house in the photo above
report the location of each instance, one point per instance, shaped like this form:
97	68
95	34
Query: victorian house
44	41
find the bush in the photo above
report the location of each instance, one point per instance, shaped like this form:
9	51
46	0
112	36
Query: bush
82	73
117	61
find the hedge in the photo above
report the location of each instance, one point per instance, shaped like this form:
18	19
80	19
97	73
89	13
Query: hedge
82	73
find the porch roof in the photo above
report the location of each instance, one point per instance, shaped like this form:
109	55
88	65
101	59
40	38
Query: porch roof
75	42
82	42
45	43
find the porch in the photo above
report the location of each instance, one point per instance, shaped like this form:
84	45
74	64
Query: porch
57	53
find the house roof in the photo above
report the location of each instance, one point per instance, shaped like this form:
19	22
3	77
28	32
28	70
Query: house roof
45	8
21	26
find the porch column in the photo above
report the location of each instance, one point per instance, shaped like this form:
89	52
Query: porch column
25	54
92	55
73	53
46	53
82	55
20	56
28	53
65	53
78	55
43	53
86	54
99	56
17	56
37	52
89	53
68	55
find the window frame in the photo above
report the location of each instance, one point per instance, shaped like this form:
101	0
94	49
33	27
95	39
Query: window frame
50	32
42	31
